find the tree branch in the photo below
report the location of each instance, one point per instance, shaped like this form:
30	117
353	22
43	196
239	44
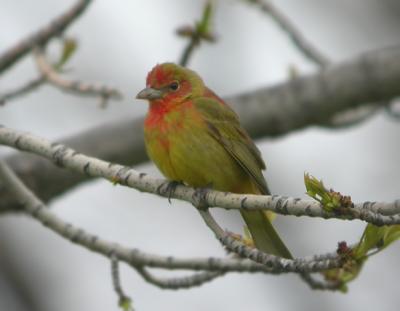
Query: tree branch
134	257
314	99
319	285
234	245
354	116
269	111
268	260
22	90
75	161
304	46
74	87
43	35
123	300
185	282
120	142
310	51
197	33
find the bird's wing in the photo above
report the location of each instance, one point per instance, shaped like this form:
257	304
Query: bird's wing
223	124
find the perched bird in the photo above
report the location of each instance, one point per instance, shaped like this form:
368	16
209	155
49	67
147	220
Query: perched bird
194	137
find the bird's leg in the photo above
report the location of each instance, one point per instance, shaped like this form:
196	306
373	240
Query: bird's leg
200	197
169	188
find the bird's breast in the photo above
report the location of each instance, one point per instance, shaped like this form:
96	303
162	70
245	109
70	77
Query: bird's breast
182	148
165	130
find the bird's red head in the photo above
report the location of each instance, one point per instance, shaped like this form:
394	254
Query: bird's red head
171	83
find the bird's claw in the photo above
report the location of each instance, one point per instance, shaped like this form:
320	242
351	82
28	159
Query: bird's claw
169	188
200	198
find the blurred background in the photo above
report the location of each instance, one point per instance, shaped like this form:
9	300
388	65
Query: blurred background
119	42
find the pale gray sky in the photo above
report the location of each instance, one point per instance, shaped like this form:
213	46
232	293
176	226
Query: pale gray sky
119	42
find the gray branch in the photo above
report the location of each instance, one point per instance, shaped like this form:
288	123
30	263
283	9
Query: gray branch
123	299
119	142
310	51
268	260
305	47
42	36
115	173
75	87
270	111
136	258
22	90
184	282
314	99
236	246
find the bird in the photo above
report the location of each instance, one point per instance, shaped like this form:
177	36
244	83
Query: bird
196	138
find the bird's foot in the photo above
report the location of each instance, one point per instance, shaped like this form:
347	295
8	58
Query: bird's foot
168	189
199	198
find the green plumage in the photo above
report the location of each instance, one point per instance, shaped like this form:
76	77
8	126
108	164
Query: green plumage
224	126
196	138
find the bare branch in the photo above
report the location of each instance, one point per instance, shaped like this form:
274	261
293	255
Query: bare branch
188	51
197	33
40	37
75	87
319	285
269	111
310	51
109	142
233	244
307	48
353	116
268	260
134	257
185	282
71	159
22	90
123	300
316	98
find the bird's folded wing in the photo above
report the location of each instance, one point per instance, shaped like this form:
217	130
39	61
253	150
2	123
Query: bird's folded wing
224	126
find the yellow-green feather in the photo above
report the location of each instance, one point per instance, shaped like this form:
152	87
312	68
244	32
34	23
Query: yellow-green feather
200	142
224	126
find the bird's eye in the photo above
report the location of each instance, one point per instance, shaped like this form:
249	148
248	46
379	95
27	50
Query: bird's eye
174	86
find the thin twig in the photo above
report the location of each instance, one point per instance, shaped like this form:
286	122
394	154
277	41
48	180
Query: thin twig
123	300
187	52
40	37
270	111
71	159
22	90
136	258
307	48
75	87
318	284
197	33
271	261
267	259
185	282
310	51
354	116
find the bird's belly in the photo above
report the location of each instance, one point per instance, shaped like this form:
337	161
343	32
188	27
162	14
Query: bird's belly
191	155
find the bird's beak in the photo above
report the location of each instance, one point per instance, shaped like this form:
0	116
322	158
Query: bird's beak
149	93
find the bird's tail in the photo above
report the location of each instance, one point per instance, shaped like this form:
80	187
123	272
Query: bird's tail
264	235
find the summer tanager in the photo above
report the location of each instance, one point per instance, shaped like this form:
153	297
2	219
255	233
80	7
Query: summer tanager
194	137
